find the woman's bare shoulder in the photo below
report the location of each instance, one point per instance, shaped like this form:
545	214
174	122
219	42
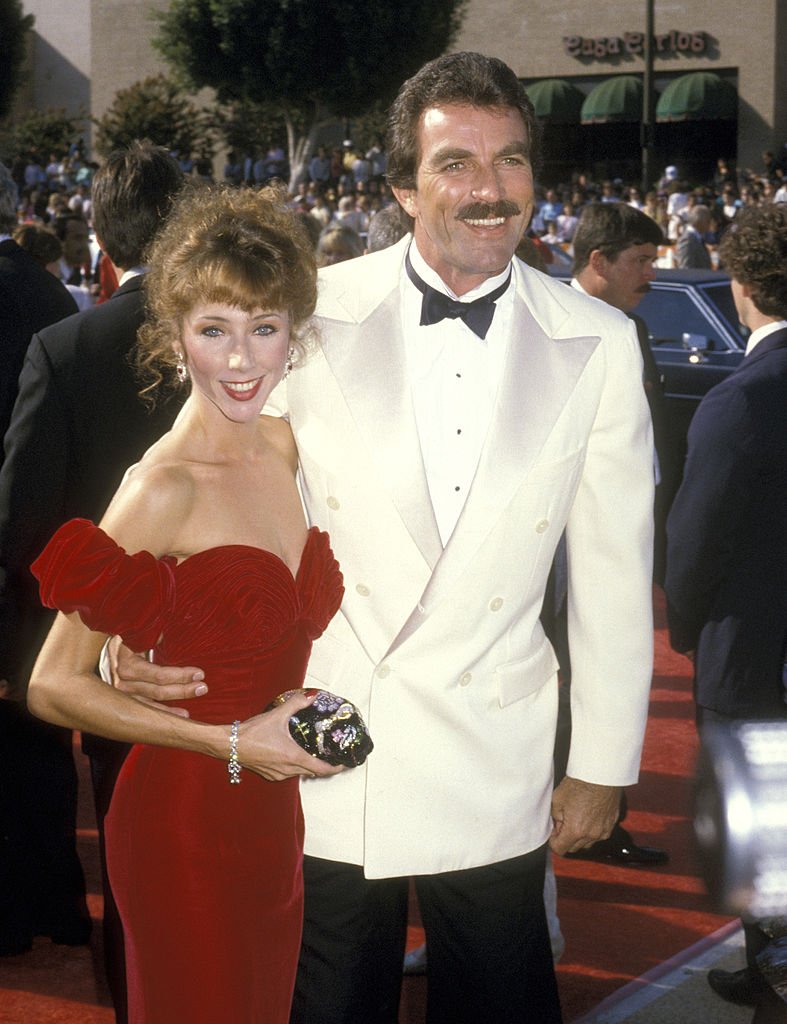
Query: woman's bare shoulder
150	506
276	431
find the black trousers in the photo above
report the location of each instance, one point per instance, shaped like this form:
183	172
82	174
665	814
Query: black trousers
486	932
42	886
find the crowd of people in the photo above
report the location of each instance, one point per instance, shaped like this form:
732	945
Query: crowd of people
463	478
343	187
670	201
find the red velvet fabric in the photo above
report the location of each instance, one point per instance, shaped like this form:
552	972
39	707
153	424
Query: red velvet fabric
207	875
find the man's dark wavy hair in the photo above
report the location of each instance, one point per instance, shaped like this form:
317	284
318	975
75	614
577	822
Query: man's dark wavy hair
754	252
456	78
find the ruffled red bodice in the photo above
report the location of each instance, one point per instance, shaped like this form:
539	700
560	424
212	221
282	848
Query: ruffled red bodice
226	606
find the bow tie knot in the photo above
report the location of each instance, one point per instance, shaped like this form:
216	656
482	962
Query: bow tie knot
437	306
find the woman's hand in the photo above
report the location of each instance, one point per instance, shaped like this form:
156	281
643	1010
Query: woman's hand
266	747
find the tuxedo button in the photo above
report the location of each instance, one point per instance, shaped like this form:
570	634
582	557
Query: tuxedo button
383	671
542	526
496	604
332	502
465	679
362	589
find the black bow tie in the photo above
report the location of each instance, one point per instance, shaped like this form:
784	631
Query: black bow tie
436	306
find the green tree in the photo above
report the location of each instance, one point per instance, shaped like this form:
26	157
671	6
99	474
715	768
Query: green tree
156	109
315	61
43	131
14	26
249	128
369	127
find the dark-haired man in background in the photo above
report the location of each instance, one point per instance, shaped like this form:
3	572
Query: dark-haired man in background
78	423
30	299
615	250
74	266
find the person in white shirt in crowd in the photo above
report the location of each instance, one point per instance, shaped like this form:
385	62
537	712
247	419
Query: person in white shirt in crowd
350	216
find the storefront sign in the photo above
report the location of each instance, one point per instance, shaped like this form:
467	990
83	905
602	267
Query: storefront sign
632	44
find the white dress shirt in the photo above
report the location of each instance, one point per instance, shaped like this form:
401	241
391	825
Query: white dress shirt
454	377
762	332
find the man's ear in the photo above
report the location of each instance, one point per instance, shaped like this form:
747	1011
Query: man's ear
118	270
408	199
598	263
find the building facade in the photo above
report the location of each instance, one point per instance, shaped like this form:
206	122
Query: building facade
82	52
586	45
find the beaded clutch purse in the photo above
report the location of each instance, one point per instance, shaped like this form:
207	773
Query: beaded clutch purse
330	728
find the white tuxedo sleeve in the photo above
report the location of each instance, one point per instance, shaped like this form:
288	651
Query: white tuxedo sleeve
610	550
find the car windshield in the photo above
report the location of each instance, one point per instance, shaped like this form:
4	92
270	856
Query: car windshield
721	297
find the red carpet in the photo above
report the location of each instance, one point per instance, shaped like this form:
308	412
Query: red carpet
621	922
618	922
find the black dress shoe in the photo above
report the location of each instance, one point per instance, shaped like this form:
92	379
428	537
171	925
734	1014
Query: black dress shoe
622	849
742	987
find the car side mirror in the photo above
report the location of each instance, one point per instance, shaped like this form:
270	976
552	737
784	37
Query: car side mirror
696	345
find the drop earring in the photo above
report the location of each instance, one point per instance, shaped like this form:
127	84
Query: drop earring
288	364
181	370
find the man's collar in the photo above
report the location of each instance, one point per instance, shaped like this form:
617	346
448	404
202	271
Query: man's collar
132	272
763	332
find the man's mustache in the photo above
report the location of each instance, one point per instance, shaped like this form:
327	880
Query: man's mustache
487	211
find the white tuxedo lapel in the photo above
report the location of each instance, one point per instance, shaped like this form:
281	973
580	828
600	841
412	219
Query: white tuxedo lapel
366	355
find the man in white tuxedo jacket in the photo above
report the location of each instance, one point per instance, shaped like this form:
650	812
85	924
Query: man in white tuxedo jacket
445	466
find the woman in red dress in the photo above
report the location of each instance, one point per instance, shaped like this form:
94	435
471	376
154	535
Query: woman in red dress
204	558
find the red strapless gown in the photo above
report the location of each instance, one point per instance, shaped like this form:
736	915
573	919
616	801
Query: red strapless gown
207	875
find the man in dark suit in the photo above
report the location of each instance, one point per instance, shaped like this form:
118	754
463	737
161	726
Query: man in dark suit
72	230
727	543
30	299
78	423
615	249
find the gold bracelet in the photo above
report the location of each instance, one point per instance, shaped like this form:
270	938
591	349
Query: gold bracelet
234	765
